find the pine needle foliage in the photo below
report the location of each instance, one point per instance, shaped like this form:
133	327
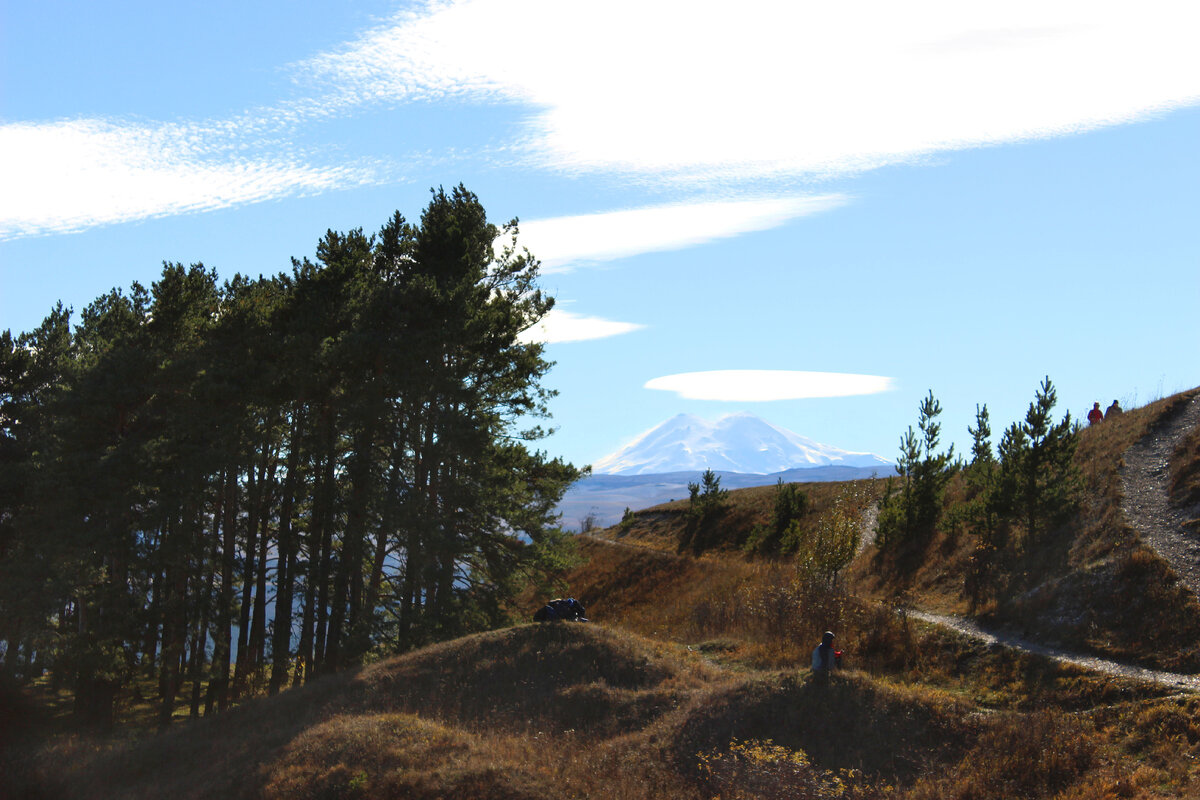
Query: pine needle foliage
706	502
789	506
913	512
250	484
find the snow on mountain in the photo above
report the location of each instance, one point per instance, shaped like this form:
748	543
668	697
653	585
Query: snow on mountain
734	443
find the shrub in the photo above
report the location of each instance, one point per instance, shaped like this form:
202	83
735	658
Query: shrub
826	550
790	504
759	768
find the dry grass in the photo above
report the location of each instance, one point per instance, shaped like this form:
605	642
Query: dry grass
1091	585
1185	477
759	611
1019	755
489	715
1094	584
662	527
747	616
692	683
558	711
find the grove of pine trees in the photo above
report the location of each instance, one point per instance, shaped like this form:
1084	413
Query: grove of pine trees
1010	499
245	485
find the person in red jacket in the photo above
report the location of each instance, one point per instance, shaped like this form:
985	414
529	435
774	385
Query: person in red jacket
1095	416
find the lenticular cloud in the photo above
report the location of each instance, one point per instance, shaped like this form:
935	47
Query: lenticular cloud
564	242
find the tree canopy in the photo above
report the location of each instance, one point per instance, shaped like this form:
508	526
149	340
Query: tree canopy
253	482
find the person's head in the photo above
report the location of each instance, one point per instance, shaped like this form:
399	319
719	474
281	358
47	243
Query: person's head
1096	404
827	638
1114	402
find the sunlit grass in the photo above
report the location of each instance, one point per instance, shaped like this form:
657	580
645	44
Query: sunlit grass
692	682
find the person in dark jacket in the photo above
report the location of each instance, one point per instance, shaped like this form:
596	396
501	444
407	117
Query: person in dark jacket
824	659
1113	411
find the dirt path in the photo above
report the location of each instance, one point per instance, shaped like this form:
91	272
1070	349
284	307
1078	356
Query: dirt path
1144	484
969	628
870	527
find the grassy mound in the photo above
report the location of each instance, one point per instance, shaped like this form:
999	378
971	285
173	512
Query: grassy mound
537	711
481	711
852	724
550	678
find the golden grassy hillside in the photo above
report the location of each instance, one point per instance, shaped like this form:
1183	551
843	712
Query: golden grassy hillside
1089	585
692	682
583	710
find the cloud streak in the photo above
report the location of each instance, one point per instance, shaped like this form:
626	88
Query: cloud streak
562	243
70	175
683	94
564	326
761	385
695	90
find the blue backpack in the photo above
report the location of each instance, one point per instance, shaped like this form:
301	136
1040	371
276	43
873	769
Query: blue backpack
569	610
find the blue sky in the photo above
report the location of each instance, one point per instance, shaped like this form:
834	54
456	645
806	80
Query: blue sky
858	203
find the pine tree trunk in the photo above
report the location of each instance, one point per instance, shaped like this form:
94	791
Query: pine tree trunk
258	627
347	590
386	524
150	642
200	642
241	663
281	642
304	650
183	536
218	684
325	554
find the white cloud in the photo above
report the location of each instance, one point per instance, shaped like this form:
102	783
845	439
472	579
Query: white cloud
563	326
564	242
779	88
70	175
762	385
671	91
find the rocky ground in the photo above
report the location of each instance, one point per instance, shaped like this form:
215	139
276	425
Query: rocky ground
1144	484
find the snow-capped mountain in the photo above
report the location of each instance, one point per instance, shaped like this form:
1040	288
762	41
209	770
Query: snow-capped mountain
734	443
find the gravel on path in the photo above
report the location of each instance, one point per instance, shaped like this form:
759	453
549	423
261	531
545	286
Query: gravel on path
969	628
1146	504
1145	481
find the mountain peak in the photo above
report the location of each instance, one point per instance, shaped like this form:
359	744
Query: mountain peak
738	442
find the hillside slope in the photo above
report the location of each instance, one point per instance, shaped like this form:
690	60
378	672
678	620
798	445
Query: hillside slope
692	681
1095	585
543	711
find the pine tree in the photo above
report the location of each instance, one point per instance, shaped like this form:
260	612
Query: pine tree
1037	483
924	472
789	505
1049	478
349	433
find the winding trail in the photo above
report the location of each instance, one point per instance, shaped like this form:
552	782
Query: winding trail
967	627
1146	505
1145	482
